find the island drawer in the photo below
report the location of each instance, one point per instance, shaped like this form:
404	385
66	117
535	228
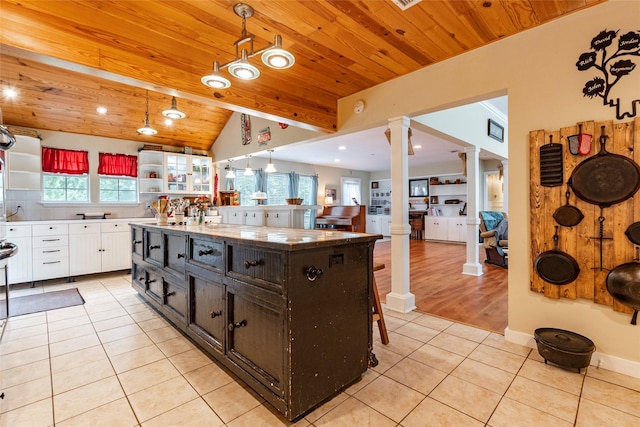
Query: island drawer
206	252
246	263
154	251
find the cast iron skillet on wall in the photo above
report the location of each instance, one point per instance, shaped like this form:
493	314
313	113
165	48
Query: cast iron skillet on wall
623	282
555	266
568	215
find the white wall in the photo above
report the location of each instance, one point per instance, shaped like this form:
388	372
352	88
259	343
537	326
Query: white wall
537	70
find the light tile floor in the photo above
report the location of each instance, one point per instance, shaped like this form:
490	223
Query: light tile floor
115	362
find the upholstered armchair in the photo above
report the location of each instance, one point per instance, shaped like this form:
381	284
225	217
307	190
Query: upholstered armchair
494	231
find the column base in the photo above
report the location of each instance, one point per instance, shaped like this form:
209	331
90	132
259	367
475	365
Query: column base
403	303
472	269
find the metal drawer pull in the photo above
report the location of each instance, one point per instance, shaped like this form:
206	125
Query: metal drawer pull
181	255
141	278
209	252
168	294
48	252
239	324
152	247
149	281
313	273
215	314
52	262
50	240
252	263
137	242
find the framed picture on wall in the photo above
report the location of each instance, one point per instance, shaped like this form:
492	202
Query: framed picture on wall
495	131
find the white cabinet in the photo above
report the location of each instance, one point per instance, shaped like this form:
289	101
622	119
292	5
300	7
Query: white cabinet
188	174
457	229
373	225
24	164
50	243
19	269
98	247
279	219
384	222
436	228
150	171
254	217
235	216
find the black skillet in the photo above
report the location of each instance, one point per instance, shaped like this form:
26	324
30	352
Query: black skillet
567	215
555	266
623	283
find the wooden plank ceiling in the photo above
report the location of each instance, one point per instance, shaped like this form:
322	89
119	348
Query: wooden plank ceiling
67	57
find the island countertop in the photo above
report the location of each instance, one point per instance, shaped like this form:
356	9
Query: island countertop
283	238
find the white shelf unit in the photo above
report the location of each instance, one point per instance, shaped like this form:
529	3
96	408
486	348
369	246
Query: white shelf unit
24	164
380	193
447	187
150	171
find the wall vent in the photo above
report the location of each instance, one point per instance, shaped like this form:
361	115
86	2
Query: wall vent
405	4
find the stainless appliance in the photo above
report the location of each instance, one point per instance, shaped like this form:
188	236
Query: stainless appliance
7	249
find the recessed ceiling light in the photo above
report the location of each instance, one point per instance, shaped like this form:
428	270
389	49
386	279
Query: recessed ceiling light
168	122
342	147
337	160
102	110
10	93
417	146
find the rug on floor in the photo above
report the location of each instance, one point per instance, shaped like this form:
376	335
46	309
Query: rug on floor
45	301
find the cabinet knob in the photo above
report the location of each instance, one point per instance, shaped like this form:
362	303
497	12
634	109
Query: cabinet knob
168	294
236	325
252	263
215	314
149	281
152	247
181	255
137	242
313	273
141	278
209	252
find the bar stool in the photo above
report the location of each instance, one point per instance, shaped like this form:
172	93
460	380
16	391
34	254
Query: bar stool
377	308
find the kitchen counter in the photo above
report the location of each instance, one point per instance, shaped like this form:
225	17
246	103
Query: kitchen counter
288	311
75	220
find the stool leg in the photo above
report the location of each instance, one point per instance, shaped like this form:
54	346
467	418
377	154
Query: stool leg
377	309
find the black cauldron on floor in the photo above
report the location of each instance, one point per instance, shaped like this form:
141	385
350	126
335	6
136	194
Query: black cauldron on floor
564	348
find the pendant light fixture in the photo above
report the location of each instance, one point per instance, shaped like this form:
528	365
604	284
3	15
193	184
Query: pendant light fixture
248	171
173	112
270	166
230	174
147	129
273	55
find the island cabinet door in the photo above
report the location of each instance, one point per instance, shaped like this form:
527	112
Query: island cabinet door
153	284
255	333
153	251
138	276
206	253
175	298
136	240
176	249
206	315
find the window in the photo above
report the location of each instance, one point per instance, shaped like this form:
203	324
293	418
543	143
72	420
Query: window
65	188
118	190
65	175
350	191
246	185
277	188
118	183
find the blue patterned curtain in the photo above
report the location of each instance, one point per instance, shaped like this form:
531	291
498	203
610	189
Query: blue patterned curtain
294	180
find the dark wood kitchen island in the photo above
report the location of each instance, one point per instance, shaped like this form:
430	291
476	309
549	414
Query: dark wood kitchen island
287	310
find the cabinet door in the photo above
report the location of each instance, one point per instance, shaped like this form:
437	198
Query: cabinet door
176	173
84	254
138	277
20	265
254	218
201	175
372	224
136	241
279	219
153	251
116	251
153	285
435	228
236	217
457	230
384	222
255	333
176	252
175	298
207	316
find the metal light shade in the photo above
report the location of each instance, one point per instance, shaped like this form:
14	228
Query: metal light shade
173	112
147	129
230	174
270	166
215	80
276	57
243	69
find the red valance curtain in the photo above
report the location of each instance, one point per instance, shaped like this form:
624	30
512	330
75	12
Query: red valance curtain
58	160
118	165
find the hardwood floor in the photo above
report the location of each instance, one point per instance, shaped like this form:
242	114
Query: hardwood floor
442	290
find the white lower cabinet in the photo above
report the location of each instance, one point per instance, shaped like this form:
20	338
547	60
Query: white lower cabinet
457	231
278	219
116	246
373	225
254	217
50	244
436	227
98	247
384	222
20	267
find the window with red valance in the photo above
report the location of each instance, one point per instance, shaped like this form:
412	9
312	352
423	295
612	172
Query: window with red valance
118	165
71	162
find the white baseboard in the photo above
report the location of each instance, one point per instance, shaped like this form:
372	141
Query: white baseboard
601	360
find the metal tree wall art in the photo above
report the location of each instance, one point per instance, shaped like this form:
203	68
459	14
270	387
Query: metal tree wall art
613	66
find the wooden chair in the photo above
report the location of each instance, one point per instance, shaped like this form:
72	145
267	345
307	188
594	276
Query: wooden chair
377	308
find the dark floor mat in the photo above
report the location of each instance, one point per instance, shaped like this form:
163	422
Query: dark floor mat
28	304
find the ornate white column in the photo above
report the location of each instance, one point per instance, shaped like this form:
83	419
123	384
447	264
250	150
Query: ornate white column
473	267
400	298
